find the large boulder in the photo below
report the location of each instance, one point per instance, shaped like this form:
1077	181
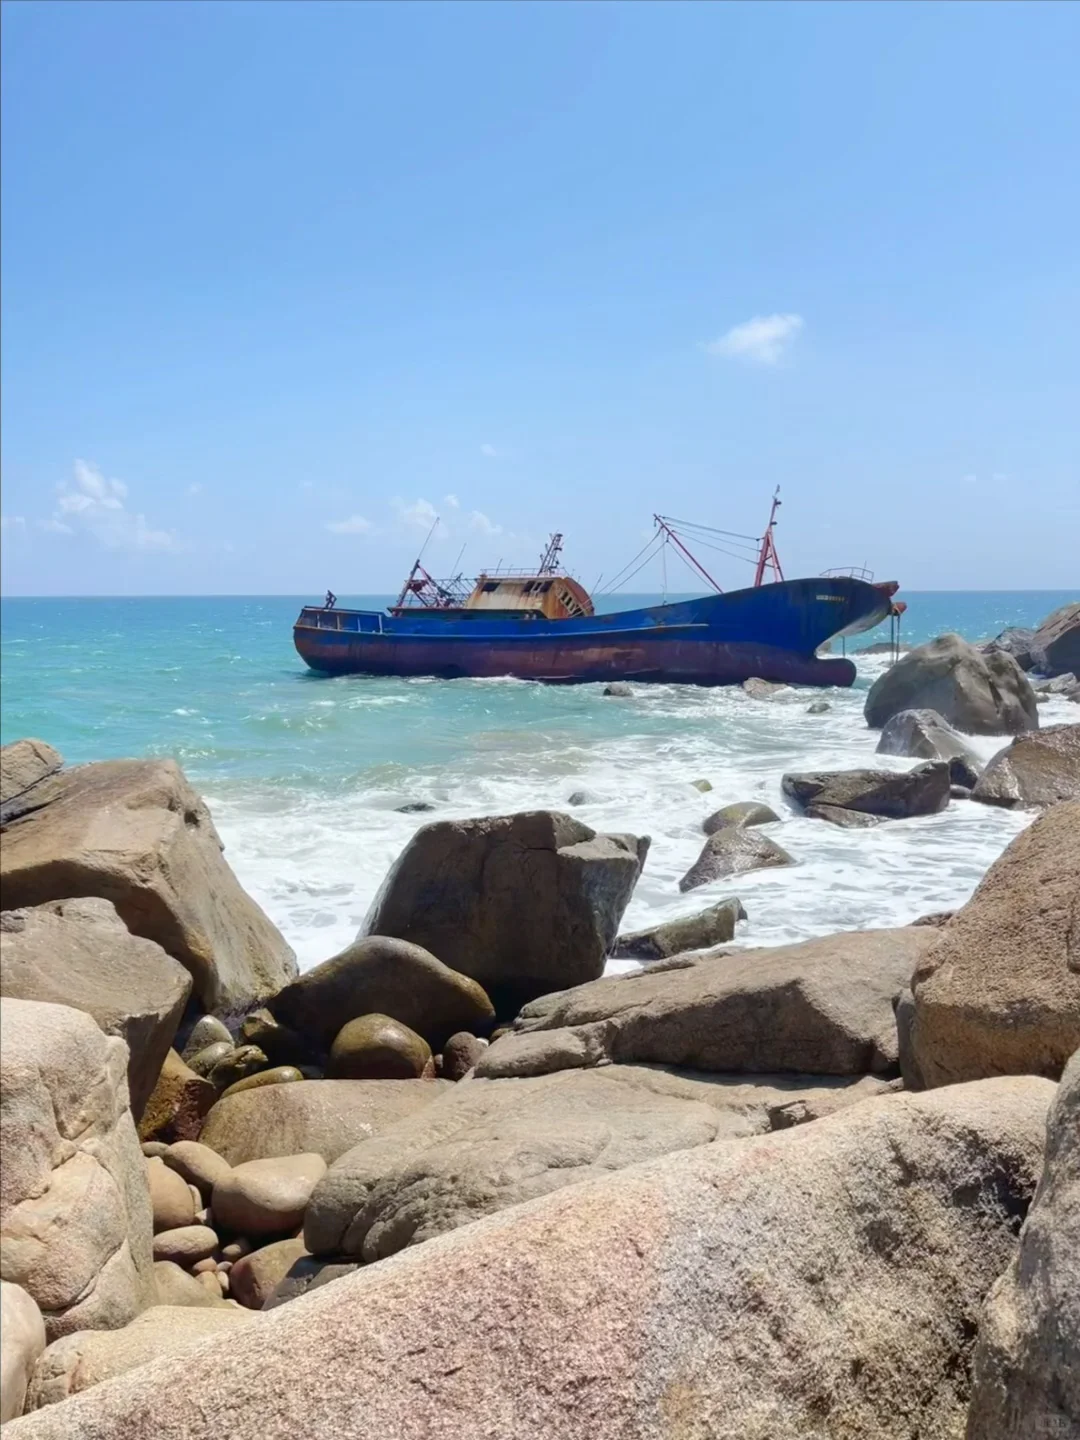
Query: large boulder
326	1116
999	991
1034	770
714	926
979	694
74	1205
822	1281
135	832
22	1340
80	953
88	1357
1027	1360
374	1047
255	1277
490	1144
23	764
823	1007
877	794
741	814
1019	642
178	1103
924	735
378	975
733	851
1059	639
523	903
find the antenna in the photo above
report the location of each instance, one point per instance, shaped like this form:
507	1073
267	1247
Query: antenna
430	533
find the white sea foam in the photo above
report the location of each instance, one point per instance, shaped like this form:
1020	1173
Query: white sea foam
314	859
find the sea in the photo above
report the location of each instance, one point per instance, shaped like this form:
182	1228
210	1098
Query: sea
305	775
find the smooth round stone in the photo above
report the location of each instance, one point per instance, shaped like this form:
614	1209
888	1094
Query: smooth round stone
170	1198
460	1054
186	1245
374	1047
254	1279
198	1165
203	1061
279	1075
267	1197
245	1060
207	1031
154	1149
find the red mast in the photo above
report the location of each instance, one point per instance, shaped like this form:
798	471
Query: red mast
767	556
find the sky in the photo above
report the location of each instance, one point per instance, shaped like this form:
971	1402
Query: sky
282	283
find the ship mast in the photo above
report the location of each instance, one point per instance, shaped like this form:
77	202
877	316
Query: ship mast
767	556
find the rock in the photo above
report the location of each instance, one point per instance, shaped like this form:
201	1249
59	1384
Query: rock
267	1197
818	707
582	797
979	694
253	1279
179	1101
924	735
134	832
308	1273
22	764
1059	638
704	786
460	1054
733	851
1021	644
22	1335
1034	770
937	918
203	1061
618	690
170	1199
211	1283
827	1278
521	903
759	689
714	926
153	1149
491	1144
88	1357
882	794
374	1047
186	1245
740	815
415	807
823	1007
207	1030
178	1287
239	1064
999	993
197	1165
281	1044
377	975
1026	1383
325	1116
80	953
75	1219
279	1075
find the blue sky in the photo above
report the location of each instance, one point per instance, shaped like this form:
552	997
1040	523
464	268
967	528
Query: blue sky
282	281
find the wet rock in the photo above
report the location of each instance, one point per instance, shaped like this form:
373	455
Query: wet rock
135	833
1034	770
822	1007
460	1054
267	1197
186	1245
924	735
1021	644
673	1295
978	694
238	1064
374	1047
203	1061
326	1116
207	1030
703	785
170	1198
22	1340
1026	1382
80	953
1060	685
384	976
178	1103
197	1165
618	691
741	815
582	797
818	707
999	993
279	1075
733	851
281	1044
308	1273
882	794
75	1220
415	807
1059	638
521	903
714	926
253	1279
759	689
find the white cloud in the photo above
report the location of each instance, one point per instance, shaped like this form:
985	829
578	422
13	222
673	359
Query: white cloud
761	341
195	489
12	522
354	525
480	522
93	505
489	451
451	501
420	514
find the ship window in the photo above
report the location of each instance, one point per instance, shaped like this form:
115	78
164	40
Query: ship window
490	586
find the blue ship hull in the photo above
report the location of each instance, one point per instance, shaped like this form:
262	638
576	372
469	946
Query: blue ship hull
771	631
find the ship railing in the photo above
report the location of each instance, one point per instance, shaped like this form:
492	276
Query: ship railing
849	572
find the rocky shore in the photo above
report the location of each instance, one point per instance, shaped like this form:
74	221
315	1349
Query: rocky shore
456	1181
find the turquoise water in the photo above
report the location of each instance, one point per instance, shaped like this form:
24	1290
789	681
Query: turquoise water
304	773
